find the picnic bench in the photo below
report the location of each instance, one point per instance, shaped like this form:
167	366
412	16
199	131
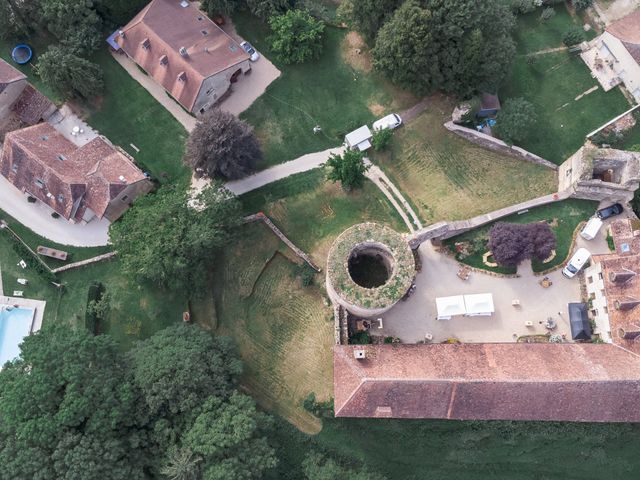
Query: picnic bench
52	252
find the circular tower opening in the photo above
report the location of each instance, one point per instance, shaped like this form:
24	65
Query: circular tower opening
370	266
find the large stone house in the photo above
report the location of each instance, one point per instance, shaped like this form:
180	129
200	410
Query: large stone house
193	59
614	56
79	183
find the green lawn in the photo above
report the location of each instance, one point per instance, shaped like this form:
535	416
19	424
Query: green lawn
446	177
436	450
564	217
552	82
327	92
126	114
283	330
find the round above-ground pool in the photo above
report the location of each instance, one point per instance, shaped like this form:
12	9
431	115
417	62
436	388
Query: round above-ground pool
21	54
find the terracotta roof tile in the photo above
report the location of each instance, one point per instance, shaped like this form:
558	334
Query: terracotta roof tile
627	29
32	106
9	74
167	27
41	161
572	382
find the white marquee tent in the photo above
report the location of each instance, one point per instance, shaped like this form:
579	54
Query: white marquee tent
480	304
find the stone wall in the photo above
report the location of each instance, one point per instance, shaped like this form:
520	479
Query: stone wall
487	141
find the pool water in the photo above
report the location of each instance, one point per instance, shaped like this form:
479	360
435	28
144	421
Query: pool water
15	324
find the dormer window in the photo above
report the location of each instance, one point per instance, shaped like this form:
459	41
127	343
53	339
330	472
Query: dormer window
164	61
182	77
14	167
62	158
145	44
39	183
61	198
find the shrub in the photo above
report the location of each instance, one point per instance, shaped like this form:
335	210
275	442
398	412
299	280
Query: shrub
520	7
297	36
381	139
307	275
360	338
582	4
516	119
610	243
91	316
319	409
573	36
512	243
547	14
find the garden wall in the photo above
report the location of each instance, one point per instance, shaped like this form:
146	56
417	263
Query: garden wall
487	141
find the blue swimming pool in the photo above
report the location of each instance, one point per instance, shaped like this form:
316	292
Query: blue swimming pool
15	324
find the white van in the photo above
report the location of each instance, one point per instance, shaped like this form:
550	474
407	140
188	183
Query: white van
576	263
591	229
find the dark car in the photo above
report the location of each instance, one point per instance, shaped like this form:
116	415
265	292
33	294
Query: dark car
612	211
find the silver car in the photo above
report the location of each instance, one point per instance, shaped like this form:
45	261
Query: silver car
253	54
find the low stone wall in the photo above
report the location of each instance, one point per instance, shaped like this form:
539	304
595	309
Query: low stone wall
261	217
487	141
82	263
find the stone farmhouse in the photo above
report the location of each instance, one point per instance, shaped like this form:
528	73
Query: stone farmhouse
614	56
185	52
79	183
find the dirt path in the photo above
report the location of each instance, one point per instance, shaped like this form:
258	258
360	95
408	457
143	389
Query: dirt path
413	112
547	50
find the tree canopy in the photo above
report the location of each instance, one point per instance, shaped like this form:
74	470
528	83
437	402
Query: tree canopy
367	16
511	243
348	169
459	47
75	23
516	120
69	74
67	410
296	37
164	239
222	146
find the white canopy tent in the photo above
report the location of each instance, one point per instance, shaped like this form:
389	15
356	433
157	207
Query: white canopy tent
479	305
476	305
450	306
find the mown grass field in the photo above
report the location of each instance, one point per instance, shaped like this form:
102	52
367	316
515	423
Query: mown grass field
328	92
553	82
448	178
436	450
564	217
284	331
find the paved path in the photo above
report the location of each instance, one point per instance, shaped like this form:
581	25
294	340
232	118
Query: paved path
156	91
273	174
37	217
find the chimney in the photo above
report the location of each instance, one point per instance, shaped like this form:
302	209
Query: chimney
122	179
621	277
359	354
121	33
630	333
626	304
183	52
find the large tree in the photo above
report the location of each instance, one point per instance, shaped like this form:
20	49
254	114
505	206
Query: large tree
69	74
171	238
511	243
230	436
516	120
68	411
19	17
296	37
458	47
348	169
222	146
367	16
75	23
181	365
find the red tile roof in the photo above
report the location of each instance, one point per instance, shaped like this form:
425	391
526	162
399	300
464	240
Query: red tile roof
32	106
624	238
564	382
161	29
8	74
627	30
72	178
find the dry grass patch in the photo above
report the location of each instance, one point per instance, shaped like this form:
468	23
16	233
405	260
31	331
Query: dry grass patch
356	53
449	178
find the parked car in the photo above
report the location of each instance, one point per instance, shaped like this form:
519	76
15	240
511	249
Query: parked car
612	211
591	229
253	54
390	121
579	259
